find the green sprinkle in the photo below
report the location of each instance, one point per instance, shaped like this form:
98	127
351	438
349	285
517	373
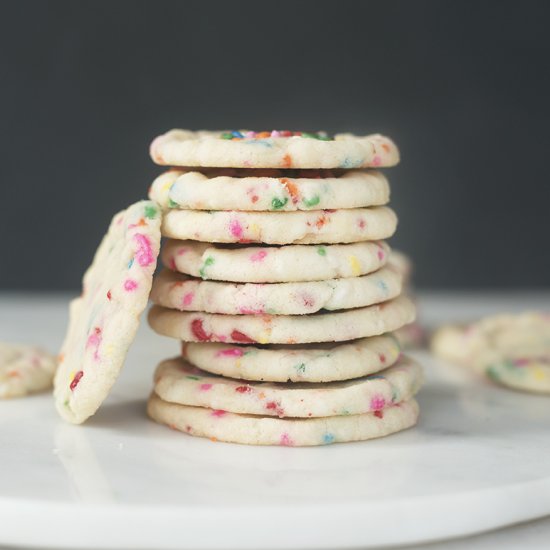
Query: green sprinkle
208	262
150	212
172	204
493	374
189	377
301	368
66	403
322	251
277	203
314	201
227	135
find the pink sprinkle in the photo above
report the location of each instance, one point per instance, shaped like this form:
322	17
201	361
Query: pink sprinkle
144	253
286	440
250	134
251	311
205	387
377	160
377	403
129	285
380	254
182	251
231	352
188	298
172	263
236	229
94	341
258	256
361	223
218	413
275	134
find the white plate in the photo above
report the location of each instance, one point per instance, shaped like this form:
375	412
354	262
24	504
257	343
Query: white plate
477	460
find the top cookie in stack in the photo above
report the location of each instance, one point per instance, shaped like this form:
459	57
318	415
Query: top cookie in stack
305	213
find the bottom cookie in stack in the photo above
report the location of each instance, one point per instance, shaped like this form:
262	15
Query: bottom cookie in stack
192	400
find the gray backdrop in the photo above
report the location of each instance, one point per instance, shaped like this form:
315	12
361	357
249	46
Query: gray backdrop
463	87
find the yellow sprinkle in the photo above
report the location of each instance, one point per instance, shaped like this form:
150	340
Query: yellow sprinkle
255	229
355	265
238	364
539	374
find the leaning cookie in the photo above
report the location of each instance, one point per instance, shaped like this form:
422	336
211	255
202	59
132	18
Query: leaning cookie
512	350
283	329
275	149
219	425
24	370
176	381
274	264
314	227
231	189
104	319
321	362
178	291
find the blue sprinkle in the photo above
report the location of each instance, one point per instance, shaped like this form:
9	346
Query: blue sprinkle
375	377
130	263
383	286
350	163
266	142
237	134
328	438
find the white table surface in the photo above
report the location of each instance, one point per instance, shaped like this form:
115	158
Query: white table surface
477	461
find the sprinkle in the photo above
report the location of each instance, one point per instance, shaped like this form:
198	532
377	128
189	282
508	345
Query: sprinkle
236	229
76	380
292	189
218	413
377	160
275	134
144	253
129	285
172	204
231	352
355	265
227	135
377	402
237	134
198	331
300	368
382	286
192	377
188	298
314	201
277	203
239	336
150	212
328	438
243	389
130	263
207	263
287	161
258	256
109	296
205	387
379	414
322	251
286	441
380	253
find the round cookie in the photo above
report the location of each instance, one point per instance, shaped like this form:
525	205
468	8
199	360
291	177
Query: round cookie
315	227
512	350
176	381
275	149
272	264
24	370
231	189
261	430
178	291
306	363
283	329
104	319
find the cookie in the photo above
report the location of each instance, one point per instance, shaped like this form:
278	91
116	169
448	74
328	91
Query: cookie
307	363
219	425
181	292
283	329
512	350
315	227
104	319
231	189
275	149
176	381
271	264
24	370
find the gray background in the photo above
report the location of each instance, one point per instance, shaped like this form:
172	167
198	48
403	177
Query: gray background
463	87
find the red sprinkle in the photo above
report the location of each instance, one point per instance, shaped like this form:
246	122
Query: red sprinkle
109	295
238	336
382	357
379	414
76	380
198	331
243	389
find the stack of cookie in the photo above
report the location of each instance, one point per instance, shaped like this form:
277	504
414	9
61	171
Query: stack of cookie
277	283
